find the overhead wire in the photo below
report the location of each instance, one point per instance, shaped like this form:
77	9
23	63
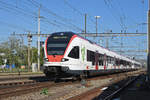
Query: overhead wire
11	9
110	7
76	10
118	14
127	17
18	10
79	12
14	26
35	3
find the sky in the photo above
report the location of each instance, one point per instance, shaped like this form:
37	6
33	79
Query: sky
20	16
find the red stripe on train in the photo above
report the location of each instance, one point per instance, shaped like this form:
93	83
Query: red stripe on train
104	67
96	67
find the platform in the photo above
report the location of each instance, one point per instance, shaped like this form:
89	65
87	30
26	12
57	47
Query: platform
131	88
139	90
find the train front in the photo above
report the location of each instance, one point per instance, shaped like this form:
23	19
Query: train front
55	48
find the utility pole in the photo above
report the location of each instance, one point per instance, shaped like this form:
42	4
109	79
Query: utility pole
121	46
29	44
21	45
107	43
96	23
39	39
12	56
148	46
85	25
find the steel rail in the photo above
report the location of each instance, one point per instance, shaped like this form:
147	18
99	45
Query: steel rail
120	89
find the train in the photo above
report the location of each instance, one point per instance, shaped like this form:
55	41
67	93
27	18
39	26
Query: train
69	54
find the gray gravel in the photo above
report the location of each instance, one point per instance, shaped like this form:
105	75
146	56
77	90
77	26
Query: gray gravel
64	92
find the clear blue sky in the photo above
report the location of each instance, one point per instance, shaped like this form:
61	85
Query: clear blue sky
20	16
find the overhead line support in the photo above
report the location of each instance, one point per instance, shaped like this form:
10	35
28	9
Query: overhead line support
39	39
85	24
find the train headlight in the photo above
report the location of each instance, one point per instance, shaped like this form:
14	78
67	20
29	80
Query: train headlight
45	59
64	59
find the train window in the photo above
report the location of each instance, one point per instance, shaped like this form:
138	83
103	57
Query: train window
88	55
101	59
56	47
117	62
108	59
112	60
121	62
91	56
74	53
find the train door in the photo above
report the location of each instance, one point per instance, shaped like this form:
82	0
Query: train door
115	59
105	63
96	60
83	57
74	58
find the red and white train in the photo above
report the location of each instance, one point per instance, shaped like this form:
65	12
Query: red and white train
67	53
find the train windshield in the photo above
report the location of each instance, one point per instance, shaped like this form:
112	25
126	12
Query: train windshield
57	43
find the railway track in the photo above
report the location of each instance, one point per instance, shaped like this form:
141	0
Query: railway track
36	86
116	88
95	92
20	81
20	77
21	87
21	90
13	91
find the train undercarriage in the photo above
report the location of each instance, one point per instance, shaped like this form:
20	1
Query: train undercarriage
58	72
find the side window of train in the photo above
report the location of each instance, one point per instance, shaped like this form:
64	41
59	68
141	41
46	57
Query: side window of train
117	62
74	53
110	60
91	56
101	59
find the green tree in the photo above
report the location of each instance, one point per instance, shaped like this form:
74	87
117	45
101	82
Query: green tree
42	56
15	53
34	55
1	60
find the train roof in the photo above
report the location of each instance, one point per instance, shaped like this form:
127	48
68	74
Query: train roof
64	33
